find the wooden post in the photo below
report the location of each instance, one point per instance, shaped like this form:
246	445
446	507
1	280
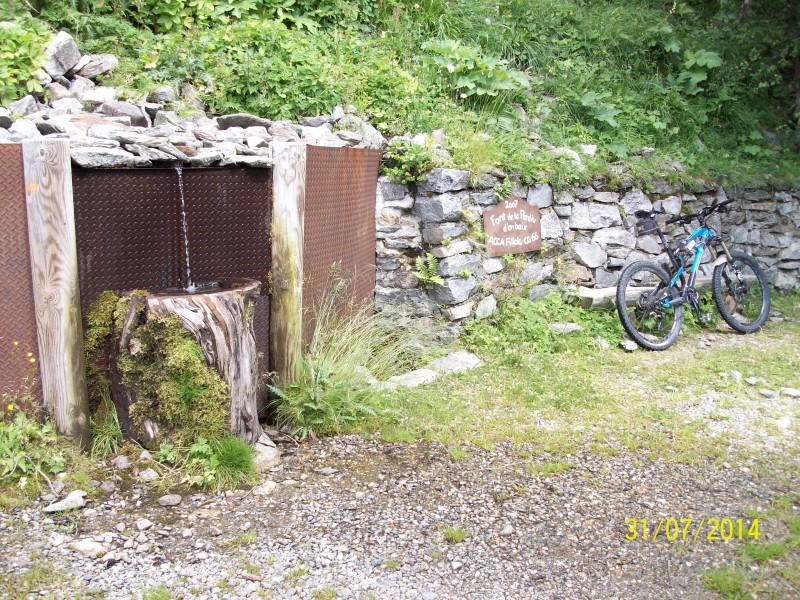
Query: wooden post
286	307
54	270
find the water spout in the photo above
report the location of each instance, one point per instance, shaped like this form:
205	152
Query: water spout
190	287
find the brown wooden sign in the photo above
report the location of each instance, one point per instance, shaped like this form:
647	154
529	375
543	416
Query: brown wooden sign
513	226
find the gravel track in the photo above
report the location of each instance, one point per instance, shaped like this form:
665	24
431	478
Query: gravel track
375	527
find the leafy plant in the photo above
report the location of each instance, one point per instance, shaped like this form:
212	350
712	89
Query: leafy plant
27	448
404	162
221	463
521	327
471	73
456	534
503	189
426	271
22	45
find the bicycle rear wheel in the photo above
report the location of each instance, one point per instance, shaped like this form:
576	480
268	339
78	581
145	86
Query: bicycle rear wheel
741	293
643	306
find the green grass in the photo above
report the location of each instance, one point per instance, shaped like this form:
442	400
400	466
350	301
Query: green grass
727	582
764	552
159	592
548	468
455	535
551	399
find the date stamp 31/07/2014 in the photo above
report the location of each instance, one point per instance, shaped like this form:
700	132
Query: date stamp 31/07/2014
710	529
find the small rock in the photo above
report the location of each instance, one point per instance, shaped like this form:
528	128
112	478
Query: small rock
215	531
90	548
454	362
456	565
97	65
187	533
628	345
62	54
507	530
486	307
57	539
791	392
75	499
143	524
412	378
170	500
265	458
24	106
564	327
265	489
121	462
326	470
754	380
148	475
768	393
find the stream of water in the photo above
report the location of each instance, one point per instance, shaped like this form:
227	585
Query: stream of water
190	286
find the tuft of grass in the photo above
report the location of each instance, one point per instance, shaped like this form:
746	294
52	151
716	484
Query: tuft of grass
549	468
293	576
247	538
455	535
727	582
764	552
457	453
392	564
350	347
107	435
159	592
326	593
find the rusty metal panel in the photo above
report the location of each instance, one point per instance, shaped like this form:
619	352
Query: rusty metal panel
128	228
340	219
130	232
17	313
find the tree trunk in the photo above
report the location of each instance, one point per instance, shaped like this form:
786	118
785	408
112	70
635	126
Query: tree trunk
221	320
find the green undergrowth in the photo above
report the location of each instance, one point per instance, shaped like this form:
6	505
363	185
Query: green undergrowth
713	95
350	348
521	328
764	568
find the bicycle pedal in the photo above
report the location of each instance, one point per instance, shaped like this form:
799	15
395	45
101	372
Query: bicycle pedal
706	317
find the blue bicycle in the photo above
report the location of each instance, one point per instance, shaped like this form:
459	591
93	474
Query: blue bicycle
650	299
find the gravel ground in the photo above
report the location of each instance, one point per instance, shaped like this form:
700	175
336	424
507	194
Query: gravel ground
367	519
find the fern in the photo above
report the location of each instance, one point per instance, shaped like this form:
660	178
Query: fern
426	271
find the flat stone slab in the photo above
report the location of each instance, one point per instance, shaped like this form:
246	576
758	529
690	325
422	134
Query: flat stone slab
412	379
455	362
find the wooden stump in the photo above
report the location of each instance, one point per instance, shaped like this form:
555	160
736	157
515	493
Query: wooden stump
221	320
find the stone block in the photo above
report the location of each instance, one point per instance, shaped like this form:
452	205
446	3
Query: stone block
588	254
445	180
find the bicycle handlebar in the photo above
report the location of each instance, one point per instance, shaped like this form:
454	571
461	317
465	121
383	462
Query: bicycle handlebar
708	210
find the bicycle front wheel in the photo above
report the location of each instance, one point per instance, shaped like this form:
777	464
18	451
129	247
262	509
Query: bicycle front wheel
644	308
741	293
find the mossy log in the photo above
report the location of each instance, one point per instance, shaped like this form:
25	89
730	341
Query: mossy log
221	321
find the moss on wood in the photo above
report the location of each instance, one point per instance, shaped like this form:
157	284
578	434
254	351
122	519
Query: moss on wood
175	387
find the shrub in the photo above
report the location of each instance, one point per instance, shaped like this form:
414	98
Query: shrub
22	45
470	73
520	327
404	162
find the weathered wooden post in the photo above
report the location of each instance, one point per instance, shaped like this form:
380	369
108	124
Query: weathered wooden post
54	270
288	209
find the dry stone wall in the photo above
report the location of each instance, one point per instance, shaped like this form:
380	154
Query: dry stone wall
588	236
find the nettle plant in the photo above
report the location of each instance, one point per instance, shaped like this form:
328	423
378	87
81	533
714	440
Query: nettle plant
471	73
